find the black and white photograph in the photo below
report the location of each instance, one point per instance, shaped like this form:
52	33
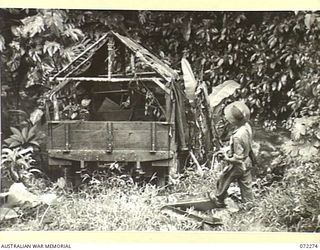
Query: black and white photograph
158	120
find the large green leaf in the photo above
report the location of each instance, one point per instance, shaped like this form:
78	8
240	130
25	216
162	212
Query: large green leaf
9	140
2	43
31	133
36	116
17	138
35	143
190	82
14	144
221	92
24	133
17	112
16	131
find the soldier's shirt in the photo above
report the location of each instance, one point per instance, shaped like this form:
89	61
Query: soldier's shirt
241	141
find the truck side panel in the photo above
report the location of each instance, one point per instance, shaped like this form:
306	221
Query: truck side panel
148	140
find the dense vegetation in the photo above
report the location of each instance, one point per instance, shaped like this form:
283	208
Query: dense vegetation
273	55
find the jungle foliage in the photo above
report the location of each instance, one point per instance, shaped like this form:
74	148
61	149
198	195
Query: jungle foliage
273	55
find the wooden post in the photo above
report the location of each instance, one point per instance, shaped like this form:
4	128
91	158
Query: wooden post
110	55
82	165
49	137
109	138
132	62
67	137
153	137
168	106
173	163
180	119
55	108
48	118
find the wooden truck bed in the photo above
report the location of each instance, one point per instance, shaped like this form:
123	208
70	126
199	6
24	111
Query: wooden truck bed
110	141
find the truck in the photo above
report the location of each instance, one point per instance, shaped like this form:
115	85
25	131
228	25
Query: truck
117	102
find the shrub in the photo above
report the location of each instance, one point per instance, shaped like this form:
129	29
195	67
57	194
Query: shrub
24	138
17	163
293	204
305	143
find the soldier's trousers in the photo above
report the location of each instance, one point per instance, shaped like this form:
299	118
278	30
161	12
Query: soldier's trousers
234	173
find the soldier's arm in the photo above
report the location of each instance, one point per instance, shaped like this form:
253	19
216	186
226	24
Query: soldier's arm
238	152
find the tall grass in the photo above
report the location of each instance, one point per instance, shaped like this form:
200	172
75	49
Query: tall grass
117	204
114	209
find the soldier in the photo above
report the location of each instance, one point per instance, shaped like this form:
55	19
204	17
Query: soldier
240	162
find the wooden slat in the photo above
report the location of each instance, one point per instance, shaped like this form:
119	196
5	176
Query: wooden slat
109	137
147	73
122	140
95	126
87	135
148	58
114	115
153	137
88	139
161	85
135	123
111	91
117	155
81	54
106	79
67	136
139	139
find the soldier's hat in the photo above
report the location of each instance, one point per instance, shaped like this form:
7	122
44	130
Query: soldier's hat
237	112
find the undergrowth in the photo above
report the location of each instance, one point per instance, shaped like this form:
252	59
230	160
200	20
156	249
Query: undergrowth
290	205
286	199
95	208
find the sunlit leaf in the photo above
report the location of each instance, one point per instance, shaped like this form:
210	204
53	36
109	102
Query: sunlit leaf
222	91
32	132
2	43
35	143
220	62
309	20
9	140
61	182
190	82
27	150
186	30
14	144
24	133
7	214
